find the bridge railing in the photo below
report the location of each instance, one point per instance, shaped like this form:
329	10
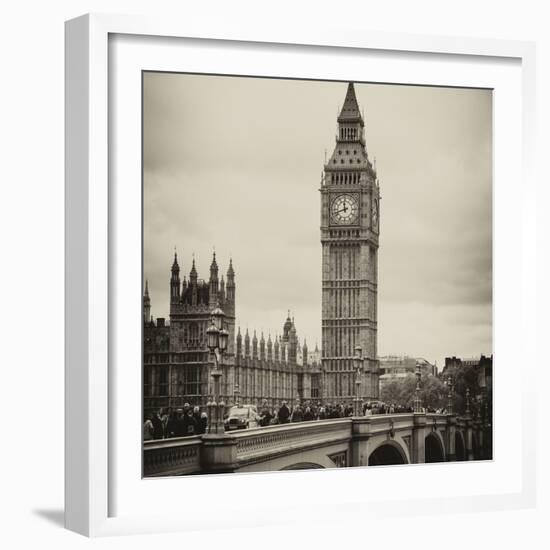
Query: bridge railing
253	445
436	419
176	456
379	422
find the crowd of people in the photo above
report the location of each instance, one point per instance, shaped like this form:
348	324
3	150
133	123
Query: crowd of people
192	421
302	412
178	423
319	411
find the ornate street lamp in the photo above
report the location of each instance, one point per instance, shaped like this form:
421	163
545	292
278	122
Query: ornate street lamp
478	408
212	336
450	396
358	361
223	340
417	403
217	339
217	316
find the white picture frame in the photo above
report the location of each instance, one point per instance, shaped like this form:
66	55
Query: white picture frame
99	501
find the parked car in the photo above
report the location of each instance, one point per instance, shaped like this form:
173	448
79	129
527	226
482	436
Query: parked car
241	417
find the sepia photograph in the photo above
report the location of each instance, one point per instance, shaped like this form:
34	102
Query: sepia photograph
317	274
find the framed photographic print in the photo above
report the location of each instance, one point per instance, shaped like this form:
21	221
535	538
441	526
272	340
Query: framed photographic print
292	260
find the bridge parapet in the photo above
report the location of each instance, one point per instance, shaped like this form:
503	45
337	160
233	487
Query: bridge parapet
256	444
437	422
177	456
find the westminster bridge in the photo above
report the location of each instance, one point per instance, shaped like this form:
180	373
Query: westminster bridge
410	438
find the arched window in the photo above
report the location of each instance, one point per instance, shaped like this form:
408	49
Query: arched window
194	334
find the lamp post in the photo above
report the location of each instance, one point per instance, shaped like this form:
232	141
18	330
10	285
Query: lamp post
358	361
217	339
417	403
450	396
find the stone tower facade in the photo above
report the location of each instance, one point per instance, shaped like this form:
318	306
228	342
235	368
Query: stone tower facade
176	357
191	305
350	199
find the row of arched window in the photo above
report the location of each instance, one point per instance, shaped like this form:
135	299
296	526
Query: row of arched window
348	133
346	178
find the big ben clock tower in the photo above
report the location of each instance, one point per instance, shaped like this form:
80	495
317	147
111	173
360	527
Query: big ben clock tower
350	199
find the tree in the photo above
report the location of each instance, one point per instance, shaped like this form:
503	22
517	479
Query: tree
465	377
433	392
400	391
391	392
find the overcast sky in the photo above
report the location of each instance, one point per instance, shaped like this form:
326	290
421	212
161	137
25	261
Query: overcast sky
235	163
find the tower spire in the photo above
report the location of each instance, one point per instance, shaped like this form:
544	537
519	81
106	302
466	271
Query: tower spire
230	285
175	265
214	264
146	303
193	273
213	283
175	280
350	109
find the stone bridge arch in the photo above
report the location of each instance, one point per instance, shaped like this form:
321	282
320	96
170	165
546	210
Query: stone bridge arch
434	447
303	466
386	453
320	456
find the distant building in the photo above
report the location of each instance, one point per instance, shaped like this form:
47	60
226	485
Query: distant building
482	364
395	367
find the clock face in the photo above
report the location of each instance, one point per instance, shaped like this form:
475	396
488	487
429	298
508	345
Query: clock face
344	209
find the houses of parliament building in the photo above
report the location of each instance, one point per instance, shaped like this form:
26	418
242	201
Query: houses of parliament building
177	363
176	360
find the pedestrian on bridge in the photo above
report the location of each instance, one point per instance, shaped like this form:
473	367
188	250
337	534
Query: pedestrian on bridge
158	427
297	414
197	418
265	414
171	424
148	429
203	422
186	424
283	414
